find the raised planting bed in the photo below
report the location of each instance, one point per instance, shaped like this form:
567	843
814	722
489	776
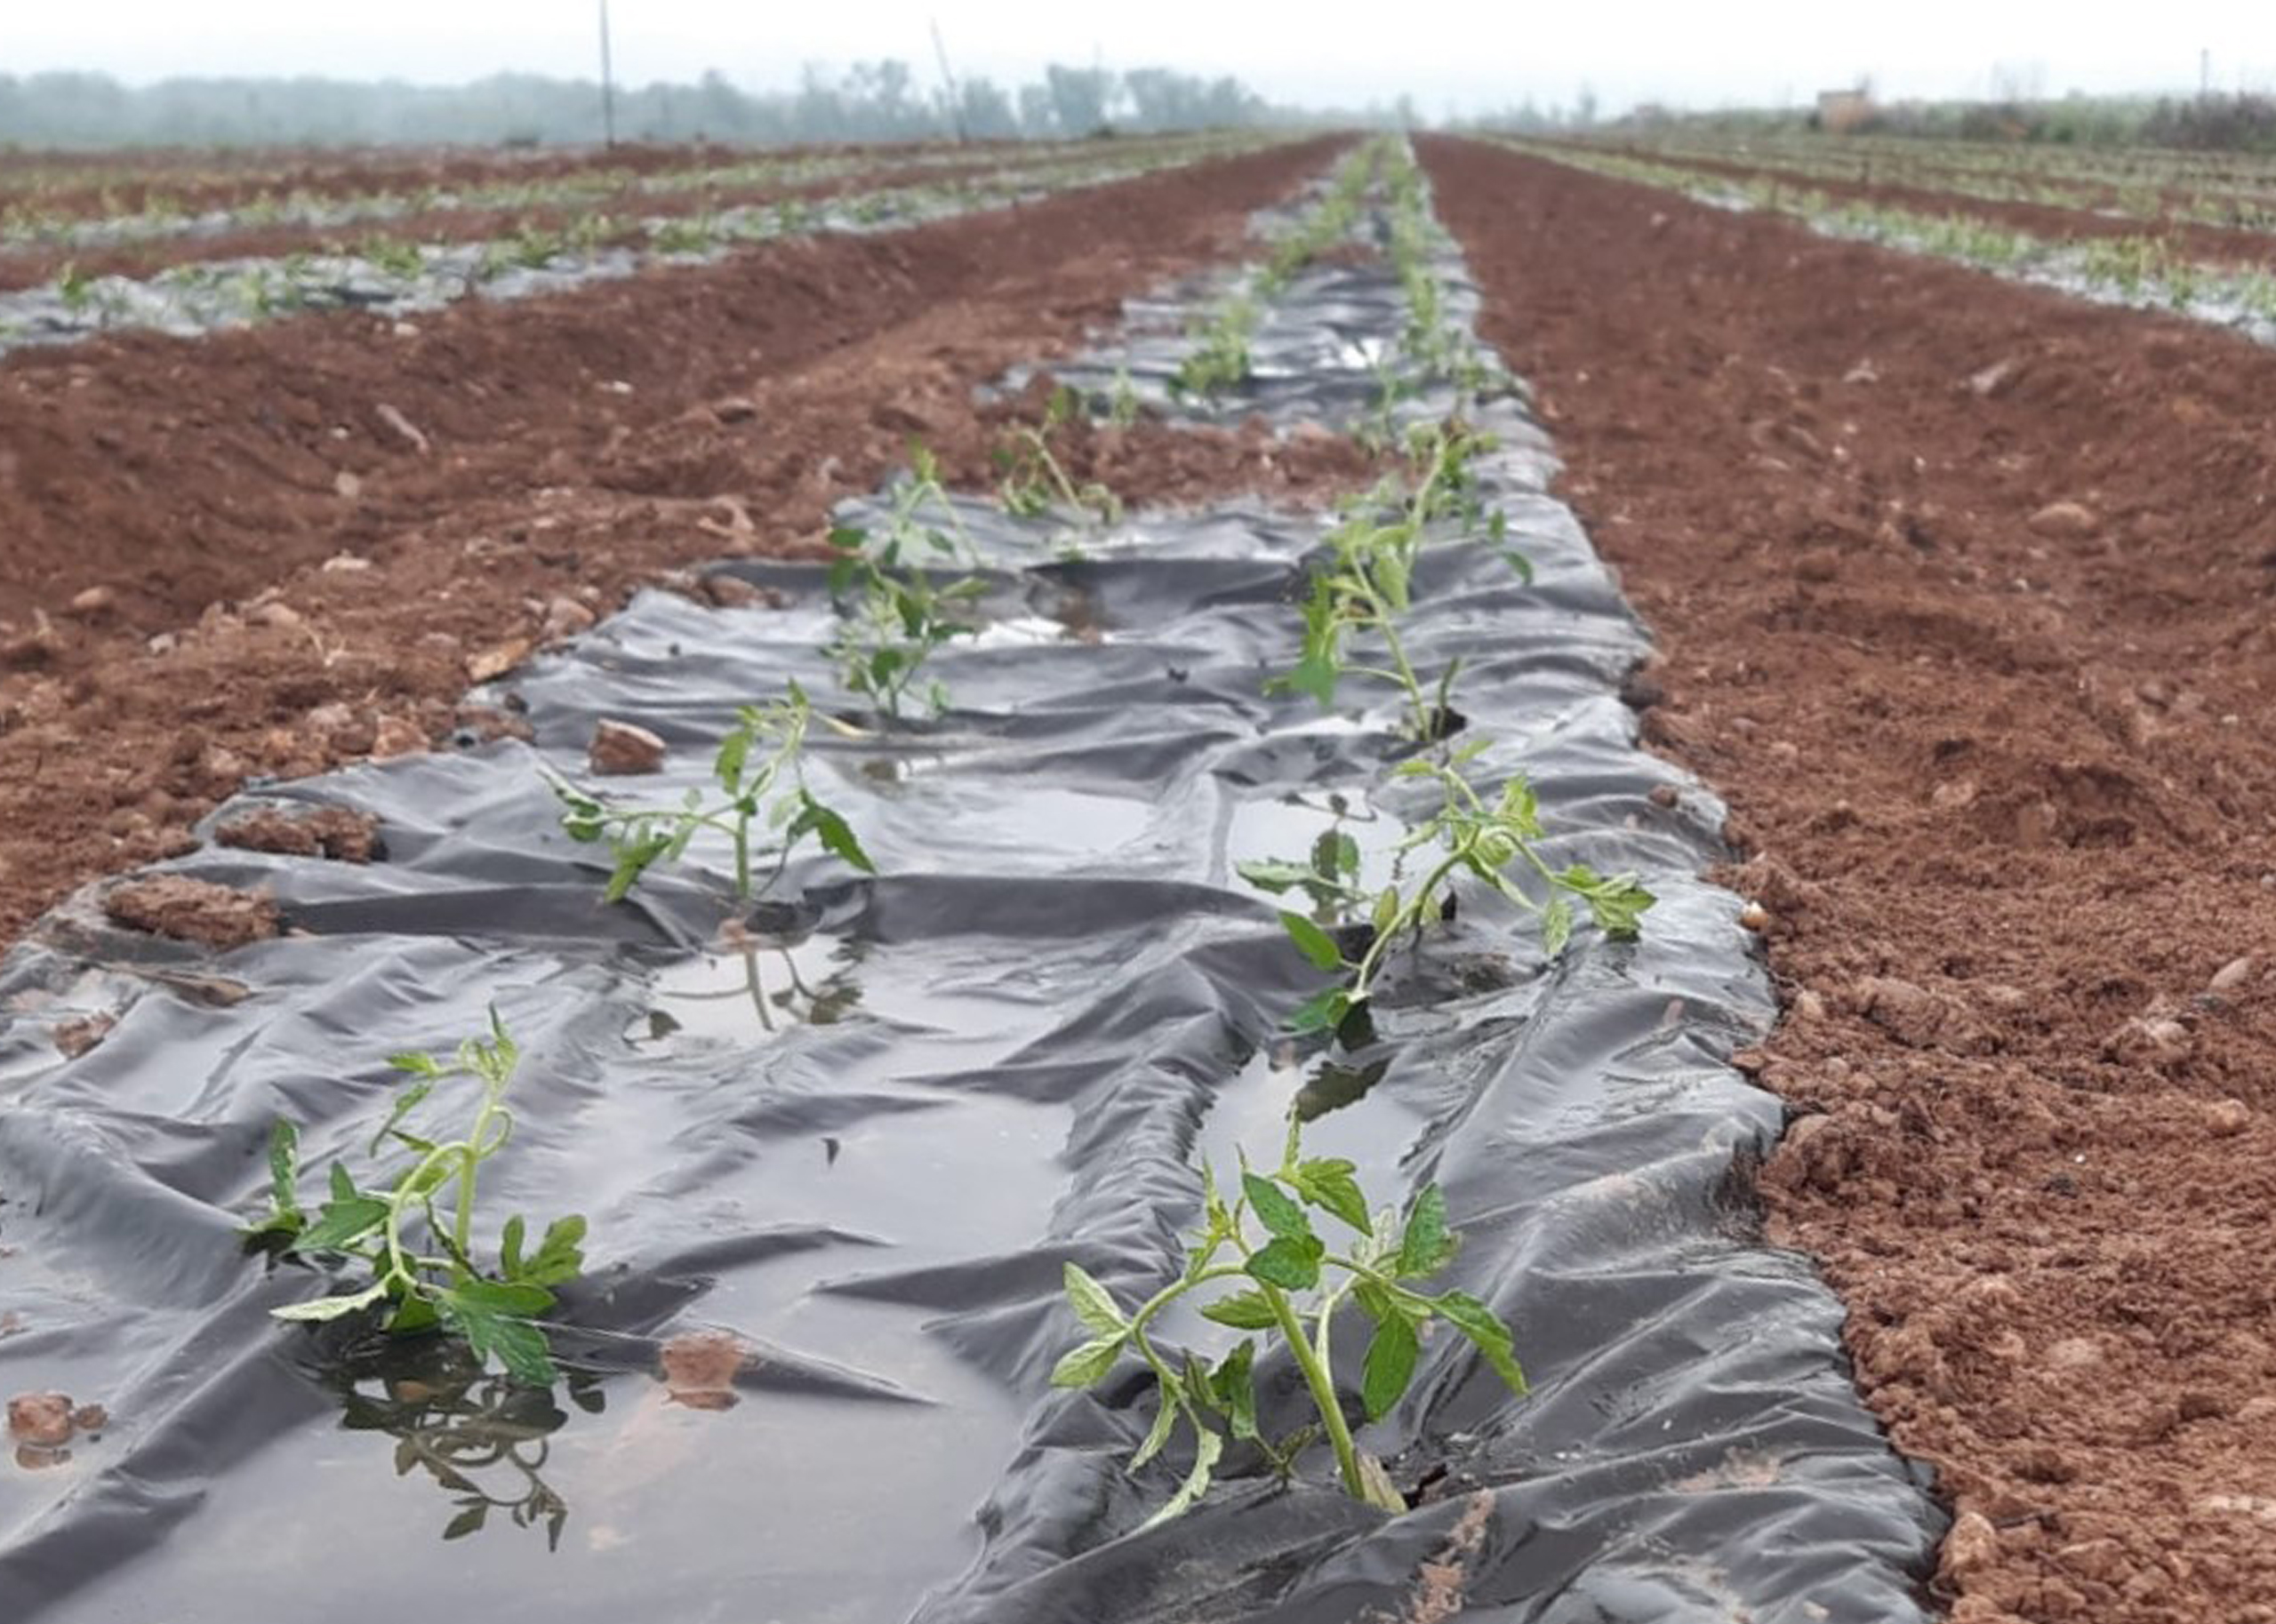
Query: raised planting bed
970	919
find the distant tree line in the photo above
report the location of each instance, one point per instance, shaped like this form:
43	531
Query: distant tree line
871	102
2242	122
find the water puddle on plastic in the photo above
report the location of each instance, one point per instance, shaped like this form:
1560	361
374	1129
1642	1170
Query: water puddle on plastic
835	1477
1297	830
755	987
741	995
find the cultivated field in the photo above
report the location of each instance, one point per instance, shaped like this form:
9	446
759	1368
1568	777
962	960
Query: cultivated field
1188	878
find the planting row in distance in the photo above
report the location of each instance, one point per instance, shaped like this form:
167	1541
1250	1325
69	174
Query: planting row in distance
397	278
2138	272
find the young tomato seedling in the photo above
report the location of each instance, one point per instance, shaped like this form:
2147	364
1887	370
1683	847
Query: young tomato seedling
1292	1285
416	1237
1036	484
1471	835
1364	587
894	614
761	777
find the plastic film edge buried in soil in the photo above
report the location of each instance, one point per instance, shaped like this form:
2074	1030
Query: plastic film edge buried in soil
863	1142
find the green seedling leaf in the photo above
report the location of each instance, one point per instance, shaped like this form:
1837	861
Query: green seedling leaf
1386	914
1485	1331
1274	1209
1332	1184
341	1223
1556	926
329	1307
1094	1304
1233	1387
405	1102
1291	1265
1389	572
1086	1365
468	1521
494	1319
413	1316
1426	1245
1390	1366
1208	1447
635	853
1158	1436
735	751
509	1247
284	1168
1316	944
1618	904
559	1258
1242	1311
418	1065
1323	1011
1315	674
835	835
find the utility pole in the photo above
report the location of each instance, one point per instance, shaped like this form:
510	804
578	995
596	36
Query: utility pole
608	86
949	78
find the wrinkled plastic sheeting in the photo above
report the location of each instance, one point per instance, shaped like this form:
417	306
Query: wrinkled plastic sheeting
873	1158
1322	351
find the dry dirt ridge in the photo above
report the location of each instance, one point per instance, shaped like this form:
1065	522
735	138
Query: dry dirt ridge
1967	594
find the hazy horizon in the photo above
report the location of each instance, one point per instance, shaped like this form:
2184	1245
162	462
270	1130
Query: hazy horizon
1450	59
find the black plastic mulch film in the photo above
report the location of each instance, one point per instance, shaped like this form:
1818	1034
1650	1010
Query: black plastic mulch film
866	1142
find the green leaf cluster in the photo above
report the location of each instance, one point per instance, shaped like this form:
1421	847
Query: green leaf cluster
1290	1281
764	808
413	1233
894	614
1034	484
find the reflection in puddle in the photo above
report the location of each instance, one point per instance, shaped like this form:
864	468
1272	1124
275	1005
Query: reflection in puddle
805	981
482	1439
1329	847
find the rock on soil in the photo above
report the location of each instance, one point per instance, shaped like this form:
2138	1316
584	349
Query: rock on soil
2065	521
621	749
184	909
320	831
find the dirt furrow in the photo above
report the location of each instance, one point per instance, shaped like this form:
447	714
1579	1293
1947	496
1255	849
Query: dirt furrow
1965	597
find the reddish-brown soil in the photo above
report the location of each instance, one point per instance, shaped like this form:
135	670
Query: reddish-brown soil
2207	244
270	575
2004	780
26	267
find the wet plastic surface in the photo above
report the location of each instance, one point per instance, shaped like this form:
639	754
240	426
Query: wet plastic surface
866	1144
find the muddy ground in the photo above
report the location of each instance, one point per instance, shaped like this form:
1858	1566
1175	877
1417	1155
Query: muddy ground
269	551
1967	598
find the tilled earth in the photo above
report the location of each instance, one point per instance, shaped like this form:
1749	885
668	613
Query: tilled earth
269	551
1966	595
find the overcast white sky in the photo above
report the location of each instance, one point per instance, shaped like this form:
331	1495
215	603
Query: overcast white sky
1466	55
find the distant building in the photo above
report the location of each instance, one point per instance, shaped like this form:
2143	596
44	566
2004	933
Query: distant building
1841	111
